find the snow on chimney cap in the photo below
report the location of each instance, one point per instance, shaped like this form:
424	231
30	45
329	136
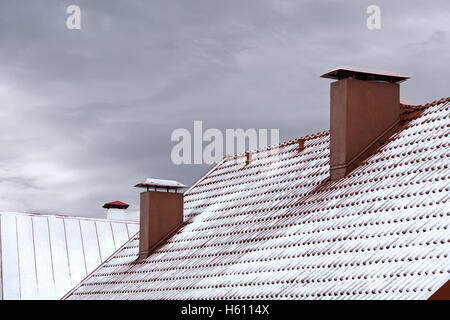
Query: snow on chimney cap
116	205
343	72
159	183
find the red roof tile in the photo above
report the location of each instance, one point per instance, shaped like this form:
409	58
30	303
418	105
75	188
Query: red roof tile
278	228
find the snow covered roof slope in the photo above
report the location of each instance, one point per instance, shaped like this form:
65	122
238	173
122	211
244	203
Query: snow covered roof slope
278	228
44	256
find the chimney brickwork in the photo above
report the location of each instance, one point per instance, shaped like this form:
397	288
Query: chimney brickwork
364	113
161	213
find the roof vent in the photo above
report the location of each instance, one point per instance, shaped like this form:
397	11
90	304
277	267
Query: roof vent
161	213
248	158
301	145
364	113
116	205
117	210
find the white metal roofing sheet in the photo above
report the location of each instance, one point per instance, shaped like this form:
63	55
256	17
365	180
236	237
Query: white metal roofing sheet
44	256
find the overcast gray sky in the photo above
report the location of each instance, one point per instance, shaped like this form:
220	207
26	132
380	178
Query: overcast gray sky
85	114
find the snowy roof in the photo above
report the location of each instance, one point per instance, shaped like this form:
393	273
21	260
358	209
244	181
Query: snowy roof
44	256
279	228
160	183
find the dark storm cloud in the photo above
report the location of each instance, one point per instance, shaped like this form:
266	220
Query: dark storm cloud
85	114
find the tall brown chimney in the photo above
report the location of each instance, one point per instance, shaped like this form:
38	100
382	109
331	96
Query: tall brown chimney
161	213
364	113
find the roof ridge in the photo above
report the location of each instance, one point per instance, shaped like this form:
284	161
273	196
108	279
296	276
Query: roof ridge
411	108
404	109
62	216
279	145
436	102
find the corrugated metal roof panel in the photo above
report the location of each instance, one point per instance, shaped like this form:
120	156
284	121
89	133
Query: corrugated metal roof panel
279	229
44	256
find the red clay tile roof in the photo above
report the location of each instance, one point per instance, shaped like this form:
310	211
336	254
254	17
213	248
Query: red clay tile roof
278	228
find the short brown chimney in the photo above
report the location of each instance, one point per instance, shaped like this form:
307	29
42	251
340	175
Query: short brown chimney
161	213
364	113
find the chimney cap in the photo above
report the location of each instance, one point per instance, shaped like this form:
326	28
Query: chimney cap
116	205
160	183
343	72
